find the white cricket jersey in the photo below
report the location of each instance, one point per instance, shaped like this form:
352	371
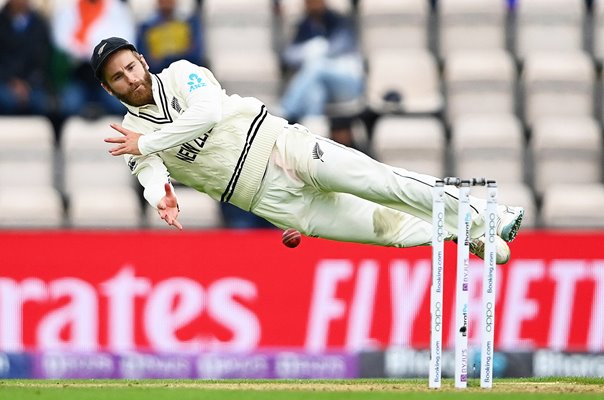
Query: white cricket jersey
202	137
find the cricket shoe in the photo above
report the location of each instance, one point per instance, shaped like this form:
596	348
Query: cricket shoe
509	222
477	248
503	250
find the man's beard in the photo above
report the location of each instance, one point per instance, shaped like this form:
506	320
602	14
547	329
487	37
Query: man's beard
138	98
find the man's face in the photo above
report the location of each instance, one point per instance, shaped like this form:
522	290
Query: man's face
19	6
166	7
127	78
315	8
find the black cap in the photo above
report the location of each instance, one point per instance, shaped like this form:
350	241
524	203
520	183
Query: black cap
104	49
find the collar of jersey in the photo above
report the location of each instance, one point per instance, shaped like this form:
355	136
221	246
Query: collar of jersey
157	113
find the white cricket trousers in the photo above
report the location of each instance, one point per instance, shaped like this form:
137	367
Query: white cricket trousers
327	190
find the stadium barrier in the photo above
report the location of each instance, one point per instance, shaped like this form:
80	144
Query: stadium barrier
242	292
392	363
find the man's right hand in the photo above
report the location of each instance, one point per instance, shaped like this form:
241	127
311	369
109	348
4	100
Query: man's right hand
167	208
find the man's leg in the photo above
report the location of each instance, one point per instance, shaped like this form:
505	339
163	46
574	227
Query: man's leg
306	94
347	218
341	83
331	167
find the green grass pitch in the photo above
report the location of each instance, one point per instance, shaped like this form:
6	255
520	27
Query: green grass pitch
350	389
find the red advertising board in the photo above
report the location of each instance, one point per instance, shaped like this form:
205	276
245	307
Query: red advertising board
244	290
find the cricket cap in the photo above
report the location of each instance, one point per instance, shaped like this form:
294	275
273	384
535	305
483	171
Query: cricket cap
104	49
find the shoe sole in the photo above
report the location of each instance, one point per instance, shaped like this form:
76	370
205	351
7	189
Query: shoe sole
509	232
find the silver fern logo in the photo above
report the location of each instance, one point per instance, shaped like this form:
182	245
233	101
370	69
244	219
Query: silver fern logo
317	153
102	48
176	105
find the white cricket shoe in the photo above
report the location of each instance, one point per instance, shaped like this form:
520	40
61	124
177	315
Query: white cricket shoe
503	250
509	222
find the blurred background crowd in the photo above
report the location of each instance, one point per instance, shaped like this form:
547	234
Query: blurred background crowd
503	89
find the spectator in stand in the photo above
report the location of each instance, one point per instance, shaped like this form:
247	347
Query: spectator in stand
326	60
77	26
167	37
24	60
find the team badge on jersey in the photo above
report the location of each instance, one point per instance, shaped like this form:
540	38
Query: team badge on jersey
317	153
195	82
176	105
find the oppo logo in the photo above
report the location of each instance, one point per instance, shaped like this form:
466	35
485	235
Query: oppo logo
492	227
440	226
489	316
437	316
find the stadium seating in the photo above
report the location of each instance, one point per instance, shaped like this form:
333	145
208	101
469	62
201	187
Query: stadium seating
490	146
404	81
28	195
479	81
393	25
560	83
31	207
573	206
549	26
85	157
597	31
237	26
27	149
249	74
144	9
471	25
105	207
566	150
241	48
416	144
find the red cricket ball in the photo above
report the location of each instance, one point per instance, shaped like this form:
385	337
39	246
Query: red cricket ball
291	237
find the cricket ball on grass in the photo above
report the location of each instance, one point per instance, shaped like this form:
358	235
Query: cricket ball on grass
291	237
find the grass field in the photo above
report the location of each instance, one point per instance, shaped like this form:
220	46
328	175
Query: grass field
357	389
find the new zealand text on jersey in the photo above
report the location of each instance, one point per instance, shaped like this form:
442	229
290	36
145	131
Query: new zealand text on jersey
190	150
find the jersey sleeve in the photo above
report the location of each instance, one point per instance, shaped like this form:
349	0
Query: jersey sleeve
203	98
152	175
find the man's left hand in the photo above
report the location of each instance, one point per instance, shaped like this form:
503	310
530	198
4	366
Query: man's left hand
127	143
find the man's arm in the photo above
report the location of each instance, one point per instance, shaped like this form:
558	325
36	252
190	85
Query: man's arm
168	207
158	191
203	97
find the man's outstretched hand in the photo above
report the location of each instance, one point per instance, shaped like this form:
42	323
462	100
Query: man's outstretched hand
167	207
126	144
